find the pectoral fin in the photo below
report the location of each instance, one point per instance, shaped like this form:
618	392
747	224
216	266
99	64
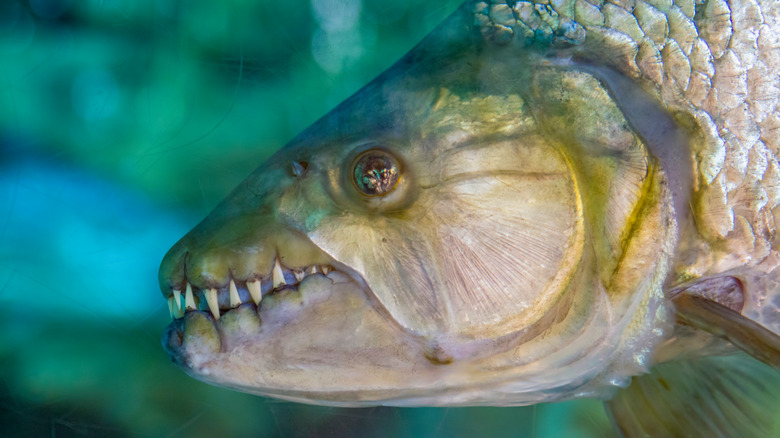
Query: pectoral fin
735	395
746	334
717	396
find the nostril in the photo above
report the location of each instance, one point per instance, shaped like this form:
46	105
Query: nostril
299	168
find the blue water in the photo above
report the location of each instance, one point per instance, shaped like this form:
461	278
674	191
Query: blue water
122	124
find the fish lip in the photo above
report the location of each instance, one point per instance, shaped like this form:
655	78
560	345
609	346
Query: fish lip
353	275
172	342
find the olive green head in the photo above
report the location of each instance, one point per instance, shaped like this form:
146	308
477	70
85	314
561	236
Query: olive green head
464	229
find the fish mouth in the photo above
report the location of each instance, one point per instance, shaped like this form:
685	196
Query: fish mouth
284	332
277	297
238	279
209	321
218	300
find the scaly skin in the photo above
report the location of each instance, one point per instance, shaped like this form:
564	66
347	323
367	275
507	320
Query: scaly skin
549	156
714	63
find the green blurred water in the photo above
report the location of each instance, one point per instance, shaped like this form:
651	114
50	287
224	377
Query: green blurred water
122	124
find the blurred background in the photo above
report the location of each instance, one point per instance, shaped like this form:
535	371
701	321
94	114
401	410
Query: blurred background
122	124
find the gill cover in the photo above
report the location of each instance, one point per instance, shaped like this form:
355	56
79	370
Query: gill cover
509	196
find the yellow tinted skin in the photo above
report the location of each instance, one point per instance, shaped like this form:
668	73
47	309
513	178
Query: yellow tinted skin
518	258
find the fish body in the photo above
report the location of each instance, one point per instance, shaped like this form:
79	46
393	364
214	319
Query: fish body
541	201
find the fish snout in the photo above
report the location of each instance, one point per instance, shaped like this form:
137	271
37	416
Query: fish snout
254	302
216	268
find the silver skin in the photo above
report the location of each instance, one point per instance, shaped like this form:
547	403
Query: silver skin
562	167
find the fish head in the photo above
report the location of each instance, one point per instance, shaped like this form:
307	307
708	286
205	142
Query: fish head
470	232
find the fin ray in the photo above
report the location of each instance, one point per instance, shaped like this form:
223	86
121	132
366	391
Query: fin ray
715	396
744	333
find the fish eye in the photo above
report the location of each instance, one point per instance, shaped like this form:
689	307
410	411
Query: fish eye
375	173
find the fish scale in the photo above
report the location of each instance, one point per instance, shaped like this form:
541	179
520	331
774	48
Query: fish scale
713	60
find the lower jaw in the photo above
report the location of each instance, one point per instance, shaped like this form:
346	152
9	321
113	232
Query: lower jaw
249	349
200	334
419	385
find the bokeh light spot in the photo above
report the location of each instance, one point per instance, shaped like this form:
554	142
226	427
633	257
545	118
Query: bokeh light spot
336	51
338	43
334	15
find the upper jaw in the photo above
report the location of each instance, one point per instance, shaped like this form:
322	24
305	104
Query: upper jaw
228	260
224	288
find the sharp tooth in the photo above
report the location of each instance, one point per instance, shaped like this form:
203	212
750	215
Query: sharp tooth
255	291
313	269
170	307
326	269
299	275
211	299
189	299
278	275
177	298
178	312
235	300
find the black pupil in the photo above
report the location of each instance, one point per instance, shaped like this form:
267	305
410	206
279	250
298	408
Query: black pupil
376	173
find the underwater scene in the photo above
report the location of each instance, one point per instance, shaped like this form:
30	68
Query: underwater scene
535	201
122	124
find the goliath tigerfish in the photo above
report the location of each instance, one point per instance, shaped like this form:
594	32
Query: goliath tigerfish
544	200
